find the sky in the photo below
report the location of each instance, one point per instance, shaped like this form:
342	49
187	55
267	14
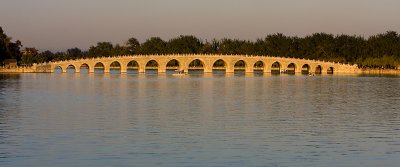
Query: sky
61	24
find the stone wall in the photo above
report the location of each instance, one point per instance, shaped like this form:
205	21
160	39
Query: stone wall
17	70
379	71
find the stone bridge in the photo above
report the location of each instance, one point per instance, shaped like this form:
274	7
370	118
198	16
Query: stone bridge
207	63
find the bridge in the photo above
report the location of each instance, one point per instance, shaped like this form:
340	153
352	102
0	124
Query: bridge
204	62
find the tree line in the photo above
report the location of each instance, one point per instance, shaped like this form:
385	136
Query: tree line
377	51
9	49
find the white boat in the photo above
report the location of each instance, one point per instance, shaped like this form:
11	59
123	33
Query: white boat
180	73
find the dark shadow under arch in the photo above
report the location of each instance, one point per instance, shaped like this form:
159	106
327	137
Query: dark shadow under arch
71	69
291	69
99	68
196	67
305	69
318	70
276	68
84	69
330	70
152	67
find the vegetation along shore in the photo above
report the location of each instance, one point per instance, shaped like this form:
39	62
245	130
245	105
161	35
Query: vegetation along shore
376	54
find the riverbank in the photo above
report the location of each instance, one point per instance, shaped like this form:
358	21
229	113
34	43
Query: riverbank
17	70
380	71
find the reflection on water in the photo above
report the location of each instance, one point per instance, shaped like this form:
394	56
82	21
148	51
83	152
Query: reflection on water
198	120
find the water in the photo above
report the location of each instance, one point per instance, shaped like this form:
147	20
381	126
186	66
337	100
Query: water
198	120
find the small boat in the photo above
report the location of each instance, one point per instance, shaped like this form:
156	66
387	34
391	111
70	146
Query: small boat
179	73
311	74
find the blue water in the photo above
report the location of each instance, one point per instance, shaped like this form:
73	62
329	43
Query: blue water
198	120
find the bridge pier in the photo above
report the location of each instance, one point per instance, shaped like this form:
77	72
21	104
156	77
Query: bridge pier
124	69
162	69
230	69
249	69
141	69
207	70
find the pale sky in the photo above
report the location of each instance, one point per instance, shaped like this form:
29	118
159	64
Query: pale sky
63	24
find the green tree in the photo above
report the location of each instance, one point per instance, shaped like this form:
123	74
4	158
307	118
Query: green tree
185	44
133	46
45	56
120	50
74	53
154	45
8	49
101	49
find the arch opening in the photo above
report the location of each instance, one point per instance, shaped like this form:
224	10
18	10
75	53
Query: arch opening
258	67
219	67
115	67
152	67
99	68
291	69
196	67
240	67
276	68
318	70
172	66
330	70
132	67
305	69
84	69
70	69
58	70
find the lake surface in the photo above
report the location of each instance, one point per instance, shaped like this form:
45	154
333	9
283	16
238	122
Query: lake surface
198	120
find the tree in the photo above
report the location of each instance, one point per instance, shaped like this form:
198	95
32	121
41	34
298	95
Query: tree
8	49
133	46
45	56
185	44
74	53
101	49
154	45
120	50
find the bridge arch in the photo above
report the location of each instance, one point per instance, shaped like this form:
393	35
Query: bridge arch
70	69
330	70
305	69
259	67
219	66
152	67
291	68
99	68
196	66
173	64
132	67
58	69
276	67
318	69
240	65
115	67
84	68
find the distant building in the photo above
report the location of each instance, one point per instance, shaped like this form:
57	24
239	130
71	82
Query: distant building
29	52
10	63
27	56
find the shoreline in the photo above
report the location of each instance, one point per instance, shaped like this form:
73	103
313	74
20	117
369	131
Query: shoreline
359	71
380	71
